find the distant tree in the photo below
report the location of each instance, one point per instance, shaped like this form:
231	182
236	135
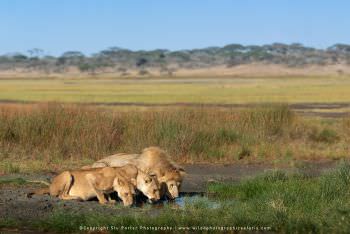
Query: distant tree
71	58
85	67
113	51
61	61
340	48
18	57
235	60
279	48
233	47
73	54
143	72
141	62
35	52
122	69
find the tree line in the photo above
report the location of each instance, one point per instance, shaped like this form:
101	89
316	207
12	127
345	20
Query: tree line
122	60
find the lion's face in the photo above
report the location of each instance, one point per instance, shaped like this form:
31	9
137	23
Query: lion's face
172	179
148	185
125	190
173	188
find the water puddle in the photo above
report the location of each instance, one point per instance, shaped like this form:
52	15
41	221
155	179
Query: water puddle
185	199
198	199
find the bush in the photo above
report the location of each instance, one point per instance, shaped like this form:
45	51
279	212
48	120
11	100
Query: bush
143	72
326	136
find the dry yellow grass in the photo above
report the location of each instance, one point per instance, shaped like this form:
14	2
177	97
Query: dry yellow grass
190	90
58	135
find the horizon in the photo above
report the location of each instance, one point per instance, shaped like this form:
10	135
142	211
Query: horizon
92	26
150	50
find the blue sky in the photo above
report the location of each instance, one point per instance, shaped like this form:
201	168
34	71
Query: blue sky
92	25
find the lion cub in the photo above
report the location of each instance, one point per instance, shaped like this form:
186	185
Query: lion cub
89	183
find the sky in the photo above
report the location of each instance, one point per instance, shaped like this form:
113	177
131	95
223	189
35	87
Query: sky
89	26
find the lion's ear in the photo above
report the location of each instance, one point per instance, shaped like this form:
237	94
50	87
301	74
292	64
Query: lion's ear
180	170
183	173
152	174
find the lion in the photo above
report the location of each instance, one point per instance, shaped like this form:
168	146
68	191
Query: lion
153	160
85	184
146	183
129	175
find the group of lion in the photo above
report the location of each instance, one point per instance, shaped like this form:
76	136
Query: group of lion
151	173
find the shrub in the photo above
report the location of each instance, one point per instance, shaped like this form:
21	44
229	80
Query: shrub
244	152
326	136
143	72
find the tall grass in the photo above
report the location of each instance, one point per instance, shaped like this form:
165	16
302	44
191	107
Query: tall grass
58	132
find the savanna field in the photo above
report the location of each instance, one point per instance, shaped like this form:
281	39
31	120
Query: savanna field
148	90
174	117
52	125
62	128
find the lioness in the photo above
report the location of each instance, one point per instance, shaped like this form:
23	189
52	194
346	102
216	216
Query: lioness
144	182
147	183
90	183
153	160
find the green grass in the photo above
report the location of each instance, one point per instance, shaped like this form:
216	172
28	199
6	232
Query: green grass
228	90
286	203
14	181
294	203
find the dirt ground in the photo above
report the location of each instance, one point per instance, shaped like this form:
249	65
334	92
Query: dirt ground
15	204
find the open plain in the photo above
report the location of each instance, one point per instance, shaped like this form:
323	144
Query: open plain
243	142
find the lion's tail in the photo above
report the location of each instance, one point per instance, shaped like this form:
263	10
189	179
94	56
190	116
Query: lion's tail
39	181
39	191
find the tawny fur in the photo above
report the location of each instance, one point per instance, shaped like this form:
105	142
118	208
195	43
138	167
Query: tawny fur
90	182
152	160
85	184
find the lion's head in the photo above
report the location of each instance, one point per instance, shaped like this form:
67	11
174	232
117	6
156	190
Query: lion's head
169	174
125	190
172	180
148	184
